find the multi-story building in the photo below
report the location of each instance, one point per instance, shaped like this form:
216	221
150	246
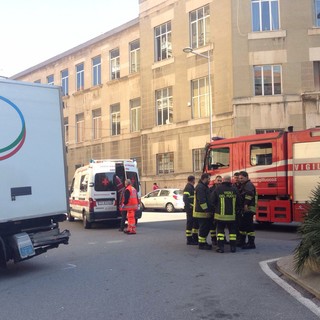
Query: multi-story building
158	87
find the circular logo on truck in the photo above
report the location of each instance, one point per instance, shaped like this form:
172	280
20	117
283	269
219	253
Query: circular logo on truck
16	142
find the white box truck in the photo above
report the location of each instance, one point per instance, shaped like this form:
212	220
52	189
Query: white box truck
33	185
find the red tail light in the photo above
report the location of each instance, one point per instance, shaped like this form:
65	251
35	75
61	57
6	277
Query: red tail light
175	197
92	204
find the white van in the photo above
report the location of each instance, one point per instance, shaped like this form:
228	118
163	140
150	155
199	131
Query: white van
93	191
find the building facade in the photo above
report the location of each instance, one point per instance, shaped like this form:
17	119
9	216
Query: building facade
159	87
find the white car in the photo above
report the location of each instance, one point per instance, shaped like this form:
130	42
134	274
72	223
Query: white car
168	199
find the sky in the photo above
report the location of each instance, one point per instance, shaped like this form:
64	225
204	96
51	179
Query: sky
32	31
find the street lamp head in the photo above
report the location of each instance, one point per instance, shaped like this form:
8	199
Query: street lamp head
187	50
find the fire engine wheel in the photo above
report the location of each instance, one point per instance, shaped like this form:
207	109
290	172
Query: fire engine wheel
86	223
169	207
70	217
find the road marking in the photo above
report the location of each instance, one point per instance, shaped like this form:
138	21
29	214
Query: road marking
115	241
70	266
292	291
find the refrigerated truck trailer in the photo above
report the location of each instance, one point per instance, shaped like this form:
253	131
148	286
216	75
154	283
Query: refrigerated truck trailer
33	185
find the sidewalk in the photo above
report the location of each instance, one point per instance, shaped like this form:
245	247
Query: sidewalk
309	280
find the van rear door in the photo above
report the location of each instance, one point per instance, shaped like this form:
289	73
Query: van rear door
104	192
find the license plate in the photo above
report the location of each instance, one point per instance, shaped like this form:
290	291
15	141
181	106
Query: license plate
26	251
105	203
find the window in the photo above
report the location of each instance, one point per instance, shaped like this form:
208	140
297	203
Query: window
261	154
317	11
80	127
134	56
115	119
65	82
164	193
200	98
165	163
96	124
200	26
164	106
197	159
66	130
316	72
96	71
262	131
267	80
50	79
218	158
80	76
103	181
115	64
135	115
163	45
265	15
84	183
133	176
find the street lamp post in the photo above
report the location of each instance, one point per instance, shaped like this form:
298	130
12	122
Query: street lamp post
190	50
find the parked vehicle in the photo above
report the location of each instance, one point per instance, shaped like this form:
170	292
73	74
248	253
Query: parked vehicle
33	187
168	199
94	195
284	167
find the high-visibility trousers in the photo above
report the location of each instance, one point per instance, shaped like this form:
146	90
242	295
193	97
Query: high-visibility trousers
131	221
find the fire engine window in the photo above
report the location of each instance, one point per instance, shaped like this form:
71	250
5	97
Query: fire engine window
218	158
134	179
104	182
261	154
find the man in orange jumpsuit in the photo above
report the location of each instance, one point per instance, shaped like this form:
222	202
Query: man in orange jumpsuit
130	204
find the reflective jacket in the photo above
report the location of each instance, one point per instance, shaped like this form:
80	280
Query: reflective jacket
248	195
226	201
201	208
130	201
188	197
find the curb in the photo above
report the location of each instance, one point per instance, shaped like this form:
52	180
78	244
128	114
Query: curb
309	280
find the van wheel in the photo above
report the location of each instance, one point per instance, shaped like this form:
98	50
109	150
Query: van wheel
86	223
70	217
169	207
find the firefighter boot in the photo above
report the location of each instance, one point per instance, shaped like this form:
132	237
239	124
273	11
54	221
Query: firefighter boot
250	244
220	248
241	242
195	237
191	242
214	241
205	246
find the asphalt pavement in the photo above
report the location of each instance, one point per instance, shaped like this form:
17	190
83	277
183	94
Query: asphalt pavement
106	274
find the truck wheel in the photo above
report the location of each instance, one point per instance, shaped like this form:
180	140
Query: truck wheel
70	217
169	207
86	223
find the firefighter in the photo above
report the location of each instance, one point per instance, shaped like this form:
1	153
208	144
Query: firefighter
202	210
225	199
248	206
236	182
213	229
192	227
130	204
237	185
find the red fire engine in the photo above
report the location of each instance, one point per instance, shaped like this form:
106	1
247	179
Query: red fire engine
284	167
